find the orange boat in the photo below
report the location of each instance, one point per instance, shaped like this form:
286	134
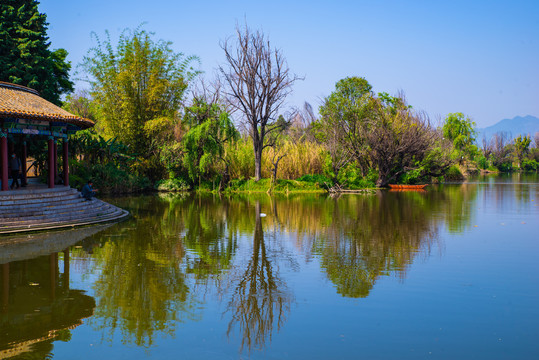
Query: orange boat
407	187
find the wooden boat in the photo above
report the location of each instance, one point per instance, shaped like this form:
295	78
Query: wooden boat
407	187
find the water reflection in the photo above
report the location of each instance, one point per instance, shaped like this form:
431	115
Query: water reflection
260	300
38	307
177	248
141	287
383	237
178	254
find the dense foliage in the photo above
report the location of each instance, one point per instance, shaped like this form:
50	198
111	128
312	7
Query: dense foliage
152	131
139	81
380	133
25	57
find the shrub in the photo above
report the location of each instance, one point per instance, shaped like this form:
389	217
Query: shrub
350	177
107	178
482	163
241	158
453	174
504	166
323	181
412	177
173	184
301	158
530	165
265	185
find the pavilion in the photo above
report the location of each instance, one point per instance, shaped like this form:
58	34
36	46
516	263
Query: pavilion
24	113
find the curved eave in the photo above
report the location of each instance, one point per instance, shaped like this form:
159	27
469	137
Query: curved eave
77	121
19	102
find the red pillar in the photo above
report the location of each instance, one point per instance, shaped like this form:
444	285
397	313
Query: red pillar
55	161
65	159
50	145
4	155
23	163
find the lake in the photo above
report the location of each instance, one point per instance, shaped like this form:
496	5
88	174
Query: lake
447	273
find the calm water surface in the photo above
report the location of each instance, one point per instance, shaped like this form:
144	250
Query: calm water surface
449	273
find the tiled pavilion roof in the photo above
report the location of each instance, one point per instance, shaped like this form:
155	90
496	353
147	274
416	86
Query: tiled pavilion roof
20	102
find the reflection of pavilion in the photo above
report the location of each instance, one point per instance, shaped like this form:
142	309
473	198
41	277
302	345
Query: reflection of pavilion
37	305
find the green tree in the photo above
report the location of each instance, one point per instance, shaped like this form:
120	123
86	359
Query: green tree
460	129
343	123
522	147
25	57
204	143
138	81
165	146
81	104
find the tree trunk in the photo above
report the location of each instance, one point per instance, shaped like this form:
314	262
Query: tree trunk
382	181
258	165
225	178
258	143
383	176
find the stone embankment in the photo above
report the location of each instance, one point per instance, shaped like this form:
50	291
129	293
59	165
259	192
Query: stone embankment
43	209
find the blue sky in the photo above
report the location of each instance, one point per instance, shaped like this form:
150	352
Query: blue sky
476	57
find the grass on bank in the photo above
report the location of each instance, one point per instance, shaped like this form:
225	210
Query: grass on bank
279	186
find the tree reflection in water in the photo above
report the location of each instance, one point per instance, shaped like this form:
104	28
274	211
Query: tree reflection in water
383	238
141	287
260	299
359	238
154	270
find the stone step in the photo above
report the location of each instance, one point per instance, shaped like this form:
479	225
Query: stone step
34	193
26	207
73	216
118	215
39	200
60	214
29	201
55	201
69	204
40	208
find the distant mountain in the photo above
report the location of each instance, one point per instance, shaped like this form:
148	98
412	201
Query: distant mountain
527	125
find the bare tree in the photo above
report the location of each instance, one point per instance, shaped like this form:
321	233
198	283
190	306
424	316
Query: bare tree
487	147
302	124
399	139
501	151
258	82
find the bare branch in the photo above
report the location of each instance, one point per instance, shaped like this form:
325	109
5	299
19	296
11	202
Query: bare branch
258	81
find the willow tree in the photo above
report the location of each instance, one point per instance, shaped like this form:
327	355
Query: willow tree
259	81
137	81
210	128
